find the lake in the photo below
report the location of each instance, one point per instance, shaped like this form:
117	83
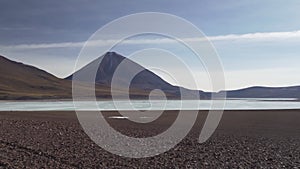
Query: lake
232	104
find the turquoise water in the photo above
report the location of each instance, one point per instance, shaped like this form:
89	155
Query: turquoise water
234	104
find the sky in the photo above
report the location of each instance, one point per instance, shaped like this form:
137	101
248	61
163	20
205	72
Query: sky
257	41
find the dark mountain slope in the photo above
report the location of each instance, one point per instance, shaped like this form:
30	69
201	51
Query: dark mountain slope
20	81
145	80
265	92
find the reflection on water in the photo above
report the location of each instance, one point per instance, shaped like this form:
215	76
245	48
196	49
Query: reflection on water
233	104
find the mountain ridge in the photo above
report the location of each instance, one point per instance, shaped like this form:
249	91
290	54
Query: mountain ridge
20	81
116	67
265	92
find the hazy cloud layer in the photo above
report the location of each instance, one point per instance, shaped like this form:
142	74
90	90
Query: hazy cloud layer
260	36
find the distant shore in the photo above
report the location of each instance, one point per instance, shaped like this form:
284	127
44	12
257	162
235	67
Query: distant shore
249	139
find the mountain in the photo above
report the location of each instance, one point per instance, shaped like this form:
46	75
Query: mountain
266	92
20	81
120	68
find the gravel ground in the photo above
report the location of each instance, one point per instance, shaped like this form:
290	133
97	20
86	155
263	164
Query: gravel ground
244	139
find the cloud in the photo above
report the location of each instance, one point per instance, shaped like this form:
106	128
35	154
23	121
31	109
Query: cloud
44	45
259	36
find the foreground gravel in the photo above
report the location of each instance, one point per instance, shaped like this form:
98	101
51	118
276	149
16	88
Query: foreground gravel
56	140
